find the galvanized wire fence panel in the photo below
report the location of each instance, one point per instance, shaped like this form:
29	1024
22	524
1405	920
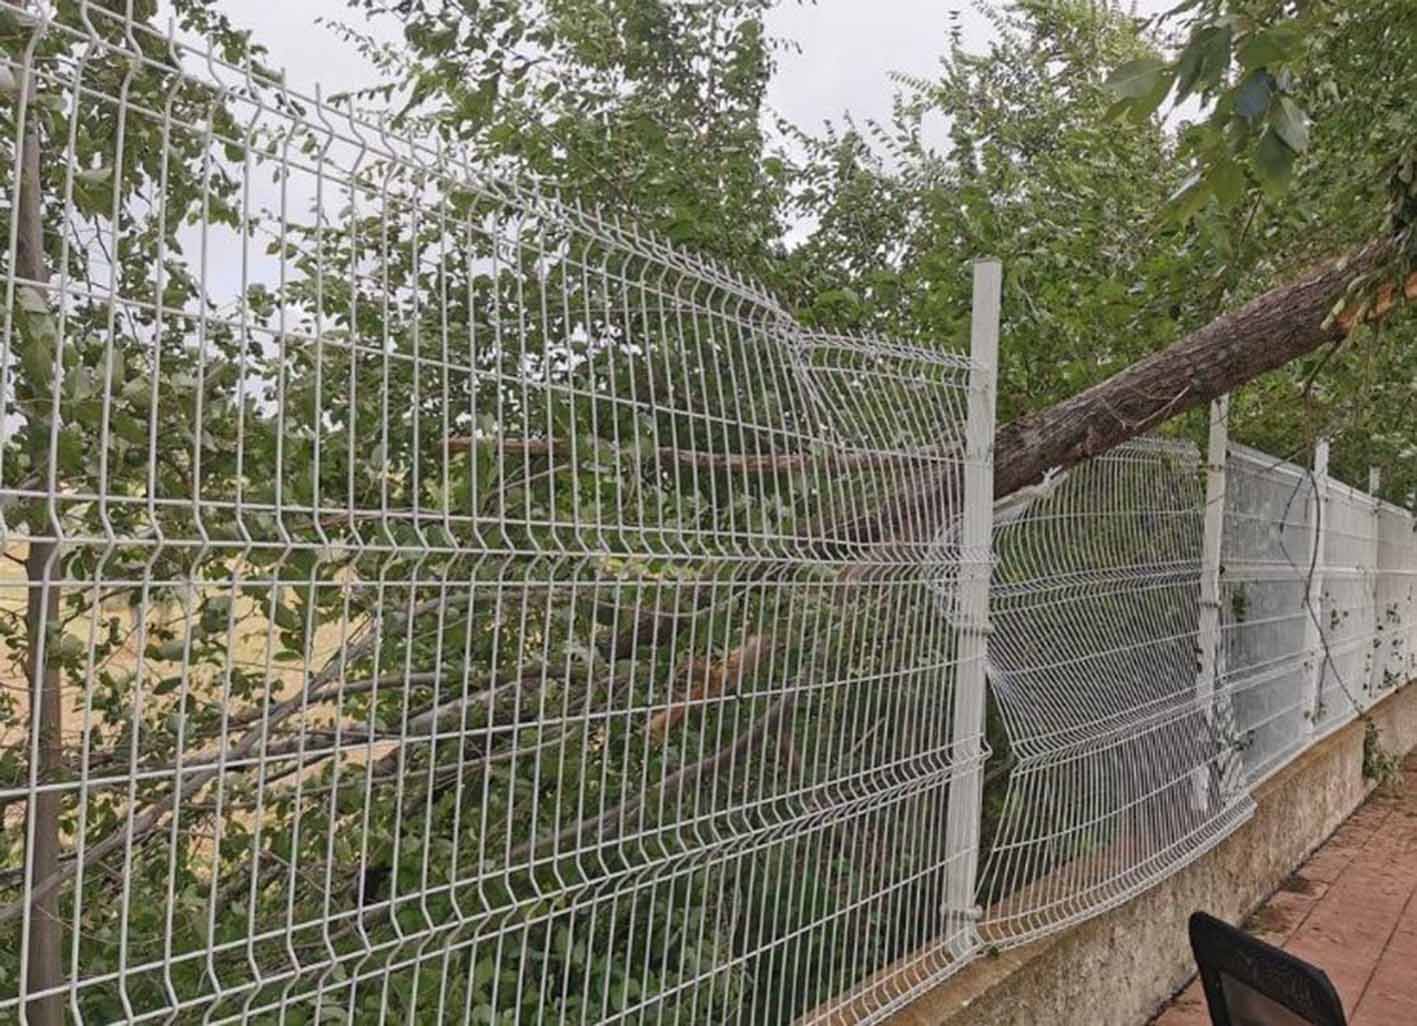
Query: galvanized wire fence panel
428	601
1348	610
1268	632
1396	642
1318	603
1123	771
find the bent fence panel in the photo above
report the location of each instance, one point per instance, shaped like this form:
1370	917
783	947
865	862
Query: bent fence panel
1094	662
430	602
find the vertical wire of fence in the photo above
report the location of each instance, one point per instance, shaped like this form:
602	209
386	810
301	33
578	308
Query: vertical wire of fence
1318	607
429	601
1166	637
1270	636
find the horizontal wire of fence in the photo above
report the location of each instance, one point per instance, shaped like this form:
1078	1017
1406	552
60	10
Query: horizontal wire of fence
1318	607
427	600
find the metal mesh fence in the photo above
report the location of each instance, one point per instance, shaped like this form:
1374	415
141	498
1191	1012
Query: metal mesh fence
425	600
1122	773
1348	610
1396	614
1267	631
1318	607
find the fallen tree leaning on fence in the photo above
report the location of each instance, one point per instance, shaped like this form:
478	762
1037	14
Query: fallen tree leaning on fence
1320	308
602	721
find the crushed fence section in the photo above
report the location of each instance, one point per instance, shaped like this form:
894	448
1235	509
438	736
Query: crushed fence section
1121	772
430	602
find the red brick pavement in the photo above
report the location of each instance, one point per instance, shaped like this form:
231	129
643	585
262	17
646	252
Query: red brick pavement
1351	909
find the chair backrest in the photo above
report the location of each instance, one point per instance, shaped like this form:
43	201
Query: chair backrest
1250	983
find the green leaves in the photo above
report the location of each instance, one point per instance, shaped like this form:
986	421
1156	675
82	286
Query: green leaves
1285	138
1139	78
1274	162
1290	124
1252	98
39	335
1259	113
1191	196
1227	180
1204	61
1271	47
1142	86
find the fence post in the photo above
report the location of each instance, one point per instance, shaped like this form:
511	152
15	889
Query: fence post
1208	626
1313	624
966	786
1377	651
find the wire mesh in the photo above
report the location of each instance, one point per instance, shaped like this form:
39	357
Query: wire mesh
427	600
1348	610
1123	770
1313	635
1395	644
1267	558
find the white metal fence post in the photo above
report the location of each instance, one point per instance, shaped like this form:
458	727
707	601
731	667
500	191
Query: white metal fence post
1208	627
1313	623
965	796
1377	652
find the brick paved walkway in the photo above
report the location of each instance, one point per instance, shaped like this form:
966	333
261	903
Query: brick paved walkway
1351	909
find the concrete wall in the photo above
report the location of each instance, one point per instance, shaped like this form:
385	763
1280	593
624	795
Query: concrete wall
1118	969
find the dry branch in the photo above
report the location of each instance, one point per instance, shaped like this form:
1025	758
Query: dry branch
707	679
607	826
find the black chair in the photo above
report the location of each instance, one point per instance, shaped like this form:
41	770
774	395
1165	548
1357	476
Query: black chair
1250	983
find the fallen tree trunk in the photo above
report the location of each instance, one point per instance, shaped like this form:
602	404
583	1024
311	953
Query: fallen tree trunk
1271	330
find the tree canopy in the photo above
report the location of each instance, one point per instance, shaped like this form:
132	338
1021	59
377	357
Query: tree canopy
1138	177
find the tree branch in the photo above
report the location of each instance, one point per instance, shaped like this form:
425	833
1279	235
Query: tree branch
1279	326
743	463
606	827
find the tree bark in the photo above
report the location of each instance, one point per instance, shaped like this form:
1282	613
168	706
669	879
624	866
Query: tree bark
1275	328
1270	331
44	971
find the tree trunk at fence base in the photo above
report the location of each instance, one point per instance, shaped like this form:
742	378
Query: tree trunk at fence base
45	957
1275	328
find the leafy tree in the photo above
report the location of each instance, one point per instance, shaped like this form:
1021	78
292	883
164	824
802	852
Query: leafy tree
642	109
1306	131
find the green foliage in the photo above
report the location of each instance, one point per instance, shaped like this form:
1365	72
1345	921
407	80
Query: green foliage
1035	173
645	109
1382	767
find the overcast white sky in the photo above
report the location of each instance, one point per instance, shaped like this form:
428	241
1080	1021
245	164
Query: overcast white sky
848	48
